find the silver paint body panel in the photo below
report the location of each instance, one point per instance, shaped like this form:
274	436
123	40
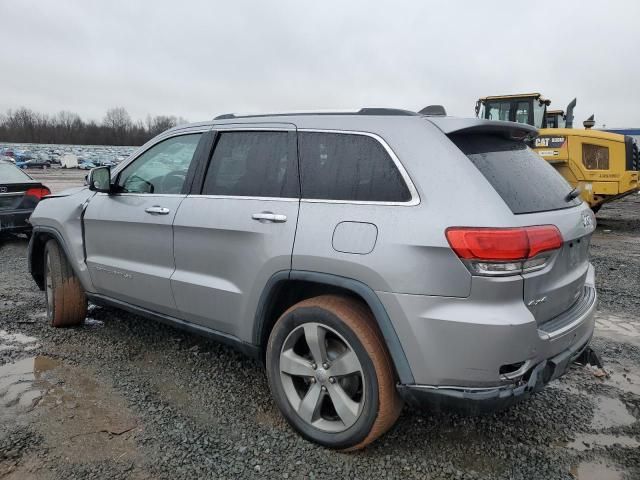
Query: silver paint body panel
208	261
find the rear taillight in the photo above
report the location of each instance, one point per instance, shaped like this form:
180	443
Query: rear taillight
504	251
37	192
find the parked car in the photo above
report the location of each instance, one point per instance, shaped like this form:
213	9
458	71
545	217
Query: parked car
85	165
19	195
368	258
34	163
23	155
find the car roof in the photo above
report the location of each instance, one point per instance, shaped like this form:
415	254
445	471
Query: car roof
369	119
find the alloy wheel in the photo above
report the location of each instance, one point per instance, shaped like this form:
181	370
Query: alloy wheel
322	377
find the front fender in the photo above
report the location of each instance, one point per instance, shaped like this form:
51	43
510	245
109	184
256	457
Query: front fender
60	217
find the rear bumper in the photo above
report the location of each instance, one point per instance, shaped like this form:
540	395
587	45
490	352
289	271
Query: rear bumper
15	221
486	400
485	354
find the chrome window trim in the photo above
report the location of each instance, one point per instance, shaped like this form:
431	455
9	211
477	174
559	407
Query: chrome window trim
145	195
415	197
257	127
244	127
12	194
241	197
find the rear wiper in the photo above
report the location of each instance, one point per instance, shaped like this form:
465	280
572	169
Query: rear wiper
574	193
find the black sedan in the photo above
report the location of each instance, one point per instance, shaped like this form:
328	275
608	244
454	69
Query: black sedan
19	195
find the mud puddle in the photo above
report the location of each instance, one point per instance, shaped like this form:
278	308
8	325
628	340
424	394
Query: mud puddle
595	471
589	441
626	381
80	419
610	412
19	389
616	327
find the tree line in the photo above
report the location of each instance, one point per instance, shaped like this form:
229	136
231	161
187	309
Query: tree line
117	128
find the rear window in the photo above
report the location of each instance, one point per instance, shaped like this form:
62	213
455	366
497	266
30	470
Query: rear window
11	174
525	181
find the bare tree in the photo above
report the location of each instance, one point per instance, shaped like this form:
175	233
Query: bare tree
26	126
119	122
159	124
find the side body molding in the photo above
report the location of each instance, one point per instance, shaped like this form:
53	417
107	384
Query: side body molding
392	341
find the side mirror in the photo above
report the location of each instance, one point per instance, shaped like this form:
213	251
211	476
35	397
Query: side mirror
99	179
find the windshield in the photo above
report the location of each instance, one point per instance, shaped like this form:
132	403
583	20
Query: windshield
497	110
11	174
525	181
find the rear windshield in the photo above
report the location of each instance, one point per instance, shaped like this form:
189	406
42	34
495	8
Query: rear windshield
525	181
11	174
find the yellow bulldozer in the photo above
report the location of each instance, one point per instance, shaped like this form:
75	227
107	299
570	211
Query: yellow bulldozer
603	165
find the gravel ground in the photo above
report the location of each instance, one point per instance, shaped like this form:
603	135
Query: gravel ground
124	397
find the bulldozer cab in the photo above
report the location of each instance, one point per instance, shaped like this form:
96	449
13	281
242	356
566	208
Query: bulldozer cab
528	108
604	166
555	119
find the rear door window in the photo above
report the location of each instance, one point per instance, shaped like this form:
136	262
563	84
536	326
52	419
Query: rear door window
349	167
525	181
253	164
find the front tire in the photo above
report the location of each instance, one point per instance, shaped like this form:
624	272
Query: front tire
330	373
66	300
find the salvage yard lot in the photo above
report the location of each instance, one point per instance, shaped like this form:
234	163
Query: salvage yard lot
124	397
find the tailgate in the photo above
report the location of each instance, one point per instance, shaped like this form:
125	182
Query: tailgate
556	288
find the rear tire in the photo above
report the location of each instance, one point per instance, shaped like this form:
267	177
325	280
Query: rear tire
328	351
66	300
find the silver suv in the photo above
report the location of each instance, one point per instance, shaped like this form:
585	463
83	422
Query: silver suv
369	258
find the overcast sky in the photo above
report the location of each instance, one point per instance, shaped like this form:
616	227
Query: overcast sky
197	59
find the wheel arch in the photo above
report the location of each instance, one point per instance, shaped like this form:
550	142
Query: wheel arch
35	254
286	288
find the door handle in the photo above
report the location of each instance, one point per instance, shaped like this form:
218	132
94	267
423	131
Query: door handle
266	217
157	210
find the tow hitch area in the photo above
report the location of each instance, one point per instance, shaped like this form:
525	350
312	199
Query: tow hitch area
589	357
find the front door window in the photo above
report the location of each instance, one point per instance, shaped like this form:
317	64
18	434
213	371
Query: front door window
162	169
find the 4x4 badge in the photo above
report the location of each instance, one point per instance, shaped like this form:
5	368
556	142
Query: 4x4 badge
587	221
537	301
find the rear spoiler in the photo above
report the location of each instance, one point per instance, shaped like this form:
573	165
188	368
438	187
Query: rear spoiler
511	130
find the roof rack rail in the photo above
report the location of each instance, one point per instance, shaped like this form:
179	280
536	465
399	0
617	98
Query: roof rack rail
386	111
362	111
